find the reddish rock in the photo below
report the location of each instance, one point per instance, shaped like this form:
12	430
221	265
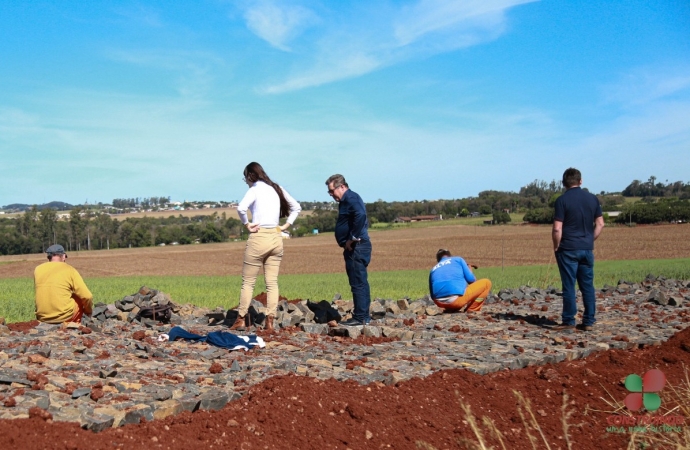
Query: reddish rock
139	335
96	394
39	413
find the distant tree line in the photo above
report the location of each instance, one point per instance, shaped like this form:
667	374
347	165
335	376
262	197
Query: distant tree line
664	210
36	230
497	204
88	228
660	203
651	188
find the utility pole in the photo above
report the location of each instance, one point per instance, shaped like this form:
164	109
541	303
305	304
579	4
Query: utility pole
503	250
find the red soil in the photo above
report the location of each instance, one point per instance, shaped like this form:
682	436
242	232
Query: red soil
307	413
22	326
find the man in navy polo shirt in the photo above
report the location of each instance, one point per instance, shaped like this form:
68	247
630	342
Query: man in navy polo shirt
351	234
577	223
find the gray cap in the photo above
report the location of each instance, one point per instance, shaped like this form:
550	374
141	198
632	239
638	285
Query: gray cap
55	249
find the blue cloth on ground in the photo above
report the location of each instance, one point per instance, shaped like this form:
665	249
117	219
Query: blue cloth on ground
221	339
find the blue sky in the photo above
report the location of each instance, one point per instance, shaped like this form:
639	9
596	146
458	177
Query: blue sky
416	99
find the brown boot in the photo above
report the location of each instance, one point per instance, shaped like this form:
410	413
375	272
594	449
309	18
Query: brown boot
269	324
239	323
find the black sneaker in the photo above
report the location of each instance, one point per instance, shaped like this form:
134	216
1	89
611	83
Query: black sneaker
352	322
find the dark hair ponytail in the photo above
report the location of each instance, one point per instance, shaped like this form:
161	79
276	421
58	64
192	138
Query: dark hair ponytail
254	172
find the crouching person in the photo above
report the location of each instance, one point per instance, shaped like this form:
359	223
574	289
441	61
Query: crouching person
453	286
61	294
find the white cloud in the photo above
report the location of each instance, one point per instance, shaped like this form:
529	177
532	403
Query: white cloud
193	69
122	146
348	66
278	23
140	14
359	41
648	84
472	17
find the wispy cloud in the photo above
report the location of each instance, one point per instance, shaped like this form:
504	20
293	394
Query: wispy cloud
347	66
647	84
356	41
277	22
141	14
471	19
116	141
193	70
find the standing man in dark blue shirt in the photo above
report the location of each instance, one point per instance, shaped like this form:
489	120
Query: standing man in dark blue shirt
577	223
351	234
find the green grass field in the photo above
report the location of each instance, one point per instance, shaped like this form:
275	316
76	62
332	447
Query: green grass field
515	219
17	303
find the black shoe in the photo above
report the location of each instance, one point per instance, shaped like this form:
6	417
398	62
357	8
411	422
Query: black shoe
352	322
563	327
582	327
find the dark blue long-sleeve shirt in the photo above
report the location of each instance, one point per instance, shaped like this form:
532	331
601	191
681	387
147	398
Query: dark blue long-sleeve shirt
352	219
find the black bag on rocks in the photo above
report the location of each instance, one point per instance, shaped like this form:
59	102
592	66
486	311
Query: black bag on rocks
323	311
161	313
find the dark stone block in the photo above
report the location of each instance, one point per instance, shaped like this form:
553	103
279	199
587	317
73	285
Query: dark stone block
189	402
107	373
8	377
135	415
162	395
97	422
81	392
44	351
213	400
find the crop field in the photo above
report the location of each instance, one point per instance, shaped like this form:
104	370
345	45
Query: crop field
209	274
397	249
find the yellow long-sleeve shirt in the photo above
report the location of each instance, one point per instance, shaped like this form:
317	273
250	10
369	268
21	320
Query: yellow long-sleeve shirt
59	288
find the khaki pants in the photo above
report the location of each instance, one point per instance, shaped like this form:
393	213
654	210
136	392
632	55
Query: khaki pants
264	249
473	299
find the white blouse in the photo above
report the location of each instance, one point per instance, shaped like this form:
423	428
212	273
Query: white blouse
264	204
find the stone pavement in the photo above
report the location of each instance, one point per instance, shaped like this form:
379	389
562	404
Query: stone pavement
115	371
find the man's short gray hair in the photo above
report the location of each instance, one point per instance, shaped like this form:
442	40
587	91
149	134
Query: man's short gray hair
337	180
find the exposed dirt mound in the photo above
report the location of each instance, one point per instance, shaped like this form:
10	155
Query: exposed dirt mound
307	413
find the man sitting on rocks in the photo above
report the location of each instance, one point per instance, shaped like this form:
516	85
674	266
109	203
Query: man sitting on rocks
453	286
61	294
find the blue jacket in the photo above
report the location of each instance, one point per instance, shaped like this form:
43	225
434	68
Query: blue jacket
352	219
221	339
450	277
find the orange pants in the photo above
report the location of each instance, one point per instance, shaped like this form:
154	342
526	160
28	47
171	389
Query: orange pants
472	299
78	313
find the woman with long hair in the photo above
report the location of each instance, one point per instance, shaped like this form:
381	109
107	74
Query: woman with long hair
267	202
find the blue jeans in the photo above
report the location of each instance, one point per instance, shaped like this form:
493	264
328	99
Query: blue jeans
577	265
356	262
